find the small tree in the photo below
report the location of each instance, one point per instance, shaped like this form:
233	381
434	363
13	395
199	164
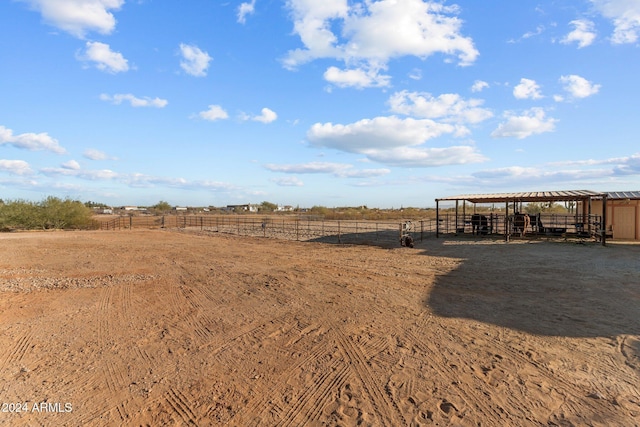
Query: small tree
161	207
58	214
267	207
51	213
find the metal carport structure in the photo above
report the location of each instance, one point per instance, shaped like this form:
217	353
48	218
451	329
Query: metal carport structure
583	196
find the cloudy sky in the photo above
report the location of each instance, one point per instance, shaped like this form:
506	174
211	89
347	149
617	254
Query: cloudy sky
386	103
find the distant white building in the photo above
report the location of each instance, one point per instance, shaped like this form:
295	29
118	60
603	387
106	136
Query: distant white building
243	208
285	208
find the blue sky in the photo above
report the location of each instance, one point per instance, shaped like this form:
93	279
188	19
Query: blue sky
385	103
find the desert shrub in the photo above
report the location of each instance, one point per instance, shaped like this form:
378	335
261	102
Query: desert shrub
51	213
19	214
161	207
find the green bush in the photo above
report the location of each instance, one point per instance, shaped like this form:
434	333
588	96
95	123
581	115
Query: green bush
51	213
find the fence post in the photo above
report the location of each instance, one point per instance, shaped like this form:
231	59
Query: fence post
130	222
421	229
339	232
297	235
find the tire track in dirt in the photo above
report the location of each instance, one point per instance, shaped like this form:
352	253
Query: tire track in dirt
125	298
199	327
114	311
448	374
580	397
17	352
310	404
103	314
250	329
180	405
373	347
629	348
191	296
571	394
382	402
256	409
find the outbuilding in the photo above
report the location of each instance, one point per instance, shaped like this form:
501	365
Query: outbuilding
622	214
589	218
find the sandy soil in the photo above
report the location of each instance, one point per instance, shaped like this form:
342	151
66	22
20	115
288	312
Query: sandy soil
166	328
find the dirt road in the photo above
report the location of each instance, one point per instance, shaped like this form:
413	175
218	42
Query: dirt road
166	328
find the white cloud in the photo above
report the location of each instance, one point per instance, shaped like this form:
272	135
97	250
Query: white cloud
134	101
215	112
266	116
479	86
527	89
365	173
93	154
448	107
579	87
427	157
71	164
30	141
16	167
380	133
532	122
628	165
620	166
341	170
394	141
517	175
246	9
415	74
583	33
625	15
194	61
104	58
136	180
288	181
88	174
311	167
373	33
512	172
358	78
539	30
77	17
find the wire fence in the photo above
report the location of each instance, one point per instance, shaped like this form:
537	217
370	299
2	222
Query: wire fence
286	228
540	225
381	233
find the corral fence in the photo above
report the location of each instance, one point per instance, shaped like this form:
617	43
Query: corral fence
541	225
382	233
287	228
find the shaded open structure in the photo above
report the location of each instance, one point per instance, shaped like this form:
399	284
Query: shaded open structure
583	223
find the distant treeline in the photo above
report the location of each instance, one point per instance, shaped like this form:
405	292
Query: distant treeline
371	214
50	213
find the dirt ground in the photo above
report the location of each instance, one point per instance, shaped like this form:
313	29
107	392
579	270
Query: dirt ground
171	328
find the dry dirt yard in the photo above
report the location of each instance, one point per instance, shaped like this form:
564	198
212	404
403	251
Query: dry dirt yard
171	328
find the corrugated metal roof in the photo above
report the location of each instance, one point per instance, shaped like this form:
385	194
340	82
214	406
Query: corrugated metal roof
533	196
617	195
